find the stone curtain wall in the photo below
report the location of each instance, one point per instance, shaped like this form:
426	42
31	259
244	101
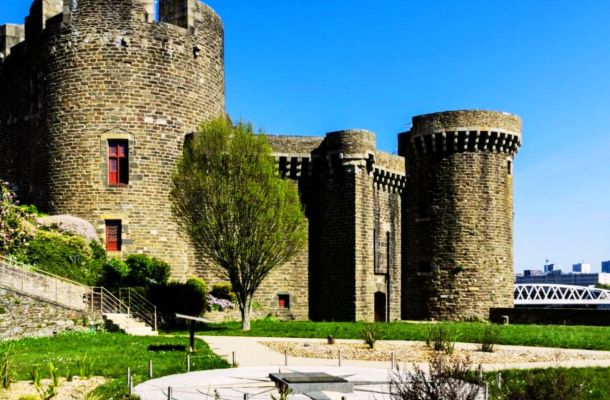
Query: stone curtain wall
458	214
22	316
105	71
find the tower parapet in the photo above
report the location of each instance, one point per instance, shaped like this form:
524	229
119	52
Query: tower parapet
10	35
458	214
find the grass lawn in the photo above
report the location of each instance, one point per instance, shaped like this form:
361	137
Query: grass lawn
108	355
556	384
577	337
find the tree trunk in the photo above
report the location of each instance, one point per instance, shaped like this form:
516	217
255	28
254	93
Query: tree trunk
245	315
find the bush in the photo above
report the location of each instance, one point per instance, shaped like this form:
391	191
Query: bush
114	273
224	290
447	379
556	384
188	298
69	224
489	339
146	271
370	334
65	255
441	338
13	222
216	304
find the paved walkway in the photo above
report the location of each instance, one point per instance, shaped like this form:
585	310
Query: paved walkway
370	379
249	352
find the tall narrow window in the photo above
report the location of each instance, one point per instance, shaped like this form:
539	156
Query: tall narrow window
113	235
118	162
387	251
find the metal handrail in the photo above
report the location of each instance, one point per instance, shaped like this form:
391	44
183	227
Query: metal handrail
139	306
108	303
95	299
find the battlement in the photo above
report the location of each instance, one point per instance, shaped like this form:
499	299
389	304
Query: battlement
464	130
10	35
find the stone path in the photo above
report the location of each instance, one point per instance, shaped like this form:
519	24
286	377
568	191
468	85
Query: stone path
256	361
250	352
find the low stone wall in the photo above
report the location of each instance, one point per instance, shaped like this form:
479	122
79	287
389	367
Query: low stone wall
552	316
22	316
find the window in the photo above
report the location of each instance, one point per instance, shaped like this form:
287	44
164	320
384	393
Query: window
509	167
283	301
113	235
118	162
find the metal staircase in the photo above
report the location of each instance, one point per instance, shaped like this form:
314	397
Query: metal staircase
134	316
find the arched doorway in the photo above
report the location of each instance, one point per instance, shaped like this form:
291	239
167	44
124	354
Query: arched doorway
380	307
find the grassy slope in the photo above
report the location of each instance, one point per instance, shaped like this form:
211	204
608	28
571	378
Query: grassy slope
581	337
106	355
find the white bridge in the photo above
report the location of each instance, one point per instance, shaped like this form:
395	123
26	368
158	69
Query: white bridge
549	294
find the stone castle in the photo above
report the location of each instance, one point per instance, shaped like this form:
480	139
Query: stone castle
97	98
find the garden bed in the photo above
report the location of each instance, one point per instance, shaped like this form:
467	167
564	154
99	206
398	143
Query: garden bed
419	353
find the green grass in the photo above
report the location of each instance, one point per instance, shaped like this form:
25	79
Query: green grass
555	383
106	354
577	337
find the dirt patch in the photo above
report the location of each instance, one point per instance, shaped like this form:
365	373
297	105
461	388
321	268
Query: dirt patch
418	352
76	389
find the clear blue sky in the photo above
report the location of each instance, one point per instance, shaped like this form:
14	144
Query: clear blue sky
309	67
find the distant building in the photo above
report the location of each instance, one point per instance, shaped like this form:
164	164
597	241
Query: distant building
581	268
606	266
533	272
558	278
551	267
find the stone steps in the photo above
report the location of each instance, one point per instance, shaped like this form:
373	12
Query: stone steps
128	324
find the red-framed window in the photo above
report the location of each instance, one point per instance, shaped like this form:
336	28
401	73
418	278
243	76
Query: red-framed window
118	162
283	301
113	235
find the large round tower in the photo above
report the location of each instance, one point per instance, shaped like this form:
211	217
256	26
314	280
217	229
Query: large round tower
118	93
458	214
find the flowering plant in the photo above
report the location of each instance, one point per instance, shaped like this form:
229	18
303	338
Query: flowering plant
215	304
13	230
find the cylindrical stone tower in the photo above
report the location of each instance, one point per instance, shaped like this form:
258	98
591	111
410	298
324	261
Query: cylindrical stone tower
117	94
458	214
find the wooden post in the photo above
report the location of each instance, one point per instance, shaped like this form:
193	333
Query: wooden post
339	357
129	379
150	369
169	393
188	362
286	358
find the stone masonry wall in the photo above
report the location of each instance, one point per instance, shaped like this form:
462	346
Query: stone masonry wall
104	71
458	216
22	316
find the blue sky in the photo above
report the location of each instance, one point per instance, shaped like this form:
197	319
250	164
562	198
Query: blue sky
309	67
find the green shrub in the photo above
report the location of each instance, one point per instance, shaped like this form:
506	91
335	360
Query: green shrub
224	290
370	334
489	339
114	274
145	271
14	233
555	383
66	255
188	298
441	338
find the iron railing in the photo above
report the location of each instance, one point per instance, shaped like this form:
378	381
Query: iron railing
139	306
